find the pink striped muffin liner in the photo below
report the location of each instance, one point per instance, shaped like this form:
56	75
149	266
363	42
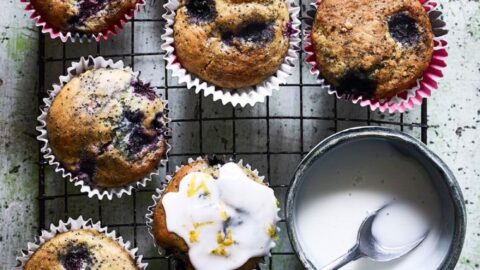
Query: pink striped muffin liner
76	224
81	37
408	99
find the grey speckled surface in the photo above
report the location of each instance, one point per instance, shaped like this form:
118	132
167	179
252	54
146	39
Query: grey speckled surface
454	114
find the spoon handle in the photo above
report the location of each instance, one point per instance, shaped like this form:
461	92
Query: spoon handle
352	255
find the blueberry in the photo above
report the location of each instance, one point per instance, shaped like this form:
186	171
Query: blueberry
86	169
234	220
241	211
201	10
227	38
357	82
139	139
231	222
157	122
144	89
134	116
288	31
403	28
87	8
215	160
131	137
257	32
76	257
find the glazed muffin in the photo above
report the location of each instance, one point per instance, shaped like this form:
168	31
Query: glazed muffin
81	249
204	212
83	16
107	128
372	48
232	44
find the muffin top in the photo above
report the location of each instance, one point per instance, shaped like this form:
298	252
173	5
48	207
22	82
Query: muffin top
204	211
81	249
107	127
232	43
372	48
83	16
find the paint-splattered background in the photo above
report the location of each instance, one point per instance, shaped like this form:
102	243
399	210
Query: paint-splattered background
454	114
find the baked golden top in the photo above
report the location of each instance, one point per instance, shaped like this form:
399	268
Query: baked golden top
83	16
107	127
81	249
232	43
372	48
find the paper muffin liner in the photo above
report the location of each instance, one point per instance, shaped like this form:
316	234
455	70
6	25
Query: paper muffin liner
77	68
76	224
160	190
54	33
409	98
244	96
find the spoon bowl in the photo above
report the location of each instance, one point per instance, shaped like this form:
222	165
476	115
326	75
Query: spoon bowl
371	248
368	246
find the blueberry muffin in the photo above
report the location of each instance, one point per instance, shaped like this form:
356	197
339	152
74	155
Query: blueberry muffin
81	249
232	44
83	16
372	48
107	128
204	213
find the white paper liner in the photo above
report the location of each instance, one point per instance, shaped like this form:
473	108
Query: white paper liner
241	97
159	192
408	98
81	37
76	224
76	69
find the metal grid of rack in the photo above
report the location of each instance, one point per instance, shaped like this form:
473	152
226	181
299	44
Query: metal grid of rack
272	136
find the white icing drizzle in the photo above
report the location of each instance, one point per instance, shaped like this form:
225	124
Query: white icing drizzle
225	222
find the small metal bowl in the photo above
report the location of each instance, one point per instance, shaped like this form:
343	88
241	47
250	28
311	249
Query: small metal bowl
448	192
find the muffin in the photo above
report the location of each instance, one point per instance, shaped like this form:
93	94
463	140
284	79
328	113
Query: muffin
232	44
81	249
107	128
83	16
372	48
204	212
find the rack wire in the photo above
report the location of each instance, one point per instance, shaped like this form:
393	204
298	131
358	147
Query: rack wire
280	131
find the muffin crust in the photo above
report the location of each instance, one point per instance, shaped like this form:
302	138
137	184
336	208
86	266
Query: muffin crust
81	249
372	48
232	44
107	128
83	16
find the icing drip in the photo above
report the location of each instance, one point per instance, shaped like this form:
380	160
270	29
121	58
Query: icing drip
222	227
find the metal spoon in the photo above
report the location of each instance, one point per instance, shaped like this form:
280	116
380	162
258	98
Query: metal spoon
367	246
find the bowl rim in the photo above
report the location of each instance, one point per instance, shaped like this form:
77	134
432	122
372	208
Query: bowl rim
337	139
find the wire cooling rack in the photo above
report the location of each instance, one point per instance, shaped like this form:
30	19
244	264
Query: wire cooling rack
272	136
